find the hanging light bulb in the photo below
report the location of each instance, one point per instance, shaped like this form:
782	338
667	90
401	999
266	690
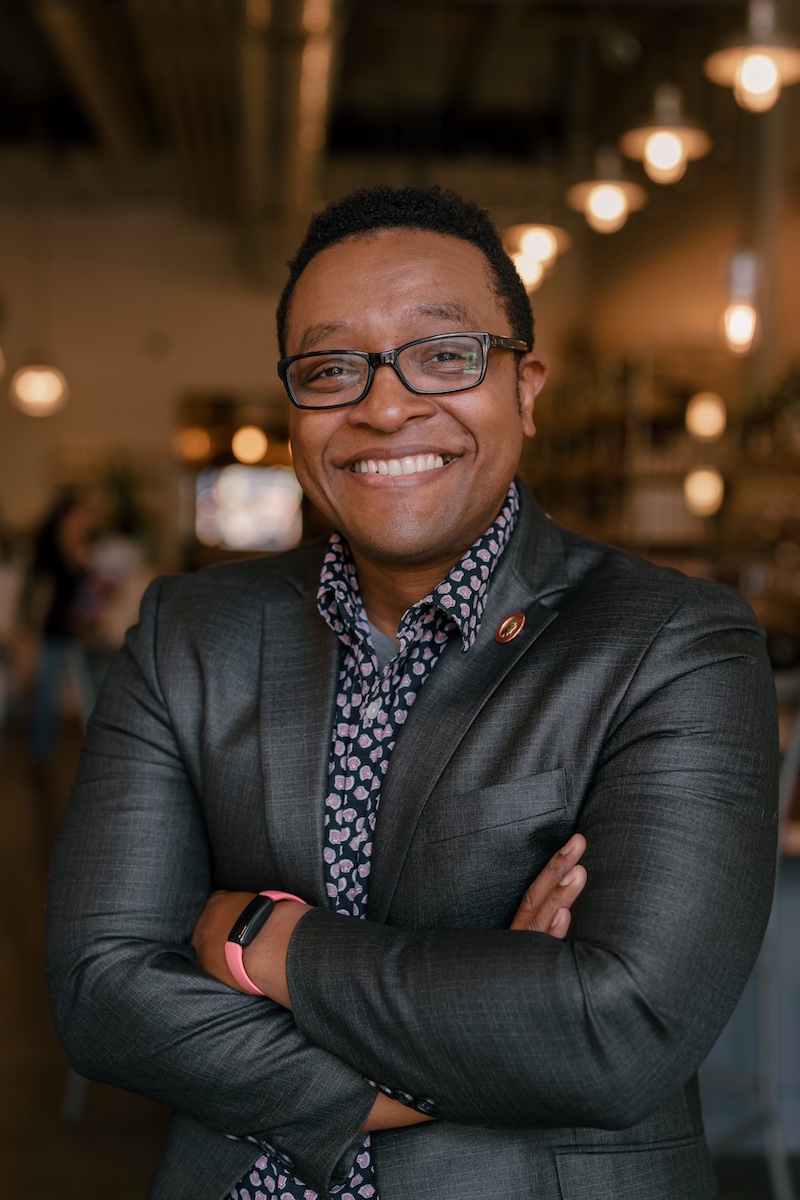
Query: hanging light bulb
758	63
740	319
540	244
740	327
606	201
667	140
606	207
530	270
706	416
664	157
534	249
704	491
756	82
192	443
38	390
249	444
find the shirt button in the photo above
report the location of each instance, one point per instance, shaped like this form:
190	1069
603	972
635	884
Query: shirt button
373	709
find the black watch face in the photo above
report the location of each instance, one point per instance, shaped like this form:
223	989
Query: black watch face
251	920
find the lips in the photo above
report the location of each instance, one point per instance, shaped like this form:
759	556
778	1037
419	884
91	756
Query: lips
409	464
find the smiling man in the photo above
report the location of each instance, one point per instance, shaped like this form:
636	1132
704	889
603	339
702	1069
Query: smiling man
319	885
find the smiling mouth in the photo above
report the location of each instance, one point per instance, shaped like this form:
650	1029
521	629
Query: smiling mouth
410	464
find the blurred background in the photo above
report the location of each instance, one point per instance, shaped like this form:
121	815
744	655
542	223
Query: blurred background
159	160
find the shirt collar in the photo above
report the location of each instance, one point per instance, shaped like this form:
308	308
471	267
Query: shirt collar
461	596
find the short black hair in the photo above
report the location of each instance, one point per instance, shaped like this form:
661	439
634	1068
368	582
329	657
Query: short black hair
433	209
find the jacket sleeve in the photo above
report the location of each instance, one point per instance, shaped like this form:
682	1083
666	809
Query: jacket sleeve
519	1029
131	874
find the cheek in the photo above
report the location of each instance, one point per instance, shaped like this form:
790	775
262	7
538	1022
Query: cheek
303	469
306	444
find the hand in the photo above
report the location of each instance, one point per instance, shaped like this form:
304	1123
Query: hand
545	907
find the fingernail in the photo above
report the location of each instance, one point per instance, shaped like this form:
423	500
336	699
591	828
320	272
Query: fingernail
556	919
564	851
568	878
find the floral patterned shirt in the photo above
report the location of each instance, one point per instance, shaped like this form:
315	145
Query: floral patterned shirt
372	705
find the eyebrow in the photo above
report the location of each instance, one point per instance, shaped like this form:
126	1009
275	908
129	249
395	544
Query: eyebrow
447	312
320	333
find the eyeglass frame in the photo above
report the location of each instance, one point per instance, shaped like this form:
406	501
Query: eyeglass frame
388	358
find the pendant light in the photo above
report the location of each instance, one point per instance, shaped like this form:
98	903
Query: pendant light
704	491
606	200
38	390
706	417
534	249
758	63
667	140
740	319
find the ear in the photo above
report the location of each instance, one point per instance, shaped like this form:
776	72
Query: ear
533	370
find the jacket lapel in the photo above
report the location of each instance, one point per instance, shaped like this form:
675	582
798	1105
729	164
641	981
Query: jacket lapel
300	665
529	578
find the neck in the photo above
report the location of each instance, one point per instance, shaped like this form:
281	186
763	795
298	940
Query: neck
388	591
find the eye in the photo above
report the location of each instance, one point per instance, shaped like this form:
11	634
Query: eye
451	357
328	373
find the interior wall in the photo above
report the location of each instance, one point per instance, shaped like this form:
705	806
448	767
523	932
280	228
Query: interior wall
137	305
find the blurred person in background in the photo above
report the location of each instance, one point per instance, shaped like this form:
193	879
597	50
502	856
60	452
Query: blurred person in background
60	608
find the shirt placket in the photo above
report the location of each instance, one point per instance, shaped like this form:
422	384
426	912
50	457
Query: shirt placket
373	704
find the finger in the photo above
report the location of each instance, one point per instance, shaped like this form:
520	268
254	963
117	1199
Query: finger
559	926
561	862
548	878
571	852
537	917
570	887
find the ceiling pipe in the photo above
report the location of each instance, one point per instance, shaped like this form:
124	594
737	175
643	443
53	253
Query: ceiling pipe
184	49
65	28
287	56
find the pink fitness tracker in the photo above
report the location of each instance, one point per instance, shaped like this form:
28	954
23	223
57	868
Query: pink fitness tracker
249	922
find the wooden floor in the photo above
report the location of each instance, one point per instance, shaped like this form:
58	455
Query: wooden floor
112	1150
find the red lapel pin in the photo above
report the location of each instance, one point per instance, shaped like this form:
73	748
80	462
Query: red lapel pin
509	627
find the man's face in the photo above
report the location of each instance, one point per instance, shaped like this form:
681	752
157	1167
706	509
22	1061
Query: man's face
374	293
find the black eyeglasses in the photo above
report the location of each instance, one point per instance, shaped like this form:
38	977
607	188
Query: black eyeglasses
449	362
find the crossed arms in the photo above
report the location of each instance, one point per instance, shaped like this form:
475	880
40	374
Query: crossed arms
501	1028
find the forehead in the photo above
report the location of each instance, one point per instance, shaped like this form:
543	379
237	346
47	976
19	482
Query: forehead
395	283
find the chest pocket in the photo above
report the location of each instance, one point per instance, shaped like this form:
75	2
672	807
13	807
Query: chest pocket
475	853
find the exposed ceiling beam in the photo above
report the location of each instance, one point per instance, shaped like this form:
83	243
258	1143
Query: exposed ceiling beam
479	58
185	46
286	57
256	110
66	30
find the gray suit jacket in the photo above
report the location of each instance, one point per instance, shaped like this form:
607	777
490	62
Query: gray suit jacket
636	705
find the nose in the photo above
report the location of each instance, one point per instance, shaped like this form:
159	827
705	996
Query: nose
388	404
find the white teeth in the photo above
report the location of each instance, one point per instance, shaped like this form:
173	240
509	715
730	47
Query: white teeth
412	464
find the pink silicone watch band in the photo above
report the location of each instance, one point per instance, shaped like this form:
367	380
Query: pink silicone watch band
234	954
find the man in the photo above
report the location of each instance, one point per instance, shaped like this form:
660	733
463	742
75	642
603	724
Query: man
403	725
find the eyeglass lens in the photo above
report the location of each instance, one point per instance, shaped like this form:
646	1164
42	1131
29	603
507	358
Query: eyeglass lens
438	364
